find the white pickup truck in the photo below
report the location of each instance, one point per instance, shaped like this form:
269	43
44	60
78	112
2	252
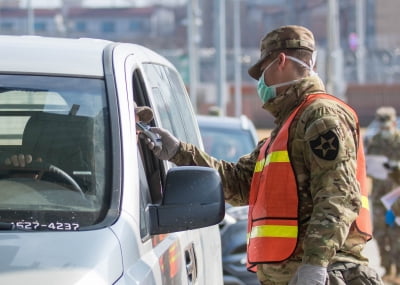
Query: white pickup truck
94	206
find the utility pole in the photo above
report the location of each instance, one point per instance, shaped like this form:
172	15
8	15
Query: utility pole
360	31
335	83
290	11
237	57
220	39
193	13
31	19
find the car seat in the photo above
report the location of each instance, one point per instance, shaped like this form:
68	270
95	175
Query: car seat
65	141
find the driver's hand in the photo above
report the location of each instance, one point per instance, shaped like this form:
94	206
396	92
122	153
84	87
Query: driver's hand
18	160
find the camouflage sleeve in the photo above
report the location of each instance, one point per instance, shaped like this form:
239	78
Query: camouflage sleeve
330	153
236	177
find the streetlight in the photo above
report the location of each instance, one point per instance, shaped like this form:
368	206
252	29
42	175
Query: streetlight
194	21
335	80
220	40
237	56
31	20
360	52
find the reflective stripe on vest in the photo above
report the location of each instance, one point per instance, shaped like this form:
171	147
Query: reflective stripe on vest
273	202
277	156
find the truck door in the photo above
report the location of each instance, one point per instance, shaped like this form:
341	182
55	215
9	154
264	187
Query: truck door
175	113
175	252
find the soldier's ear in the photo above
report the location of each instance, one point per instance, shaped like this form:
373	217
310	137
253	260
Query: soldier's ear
282	60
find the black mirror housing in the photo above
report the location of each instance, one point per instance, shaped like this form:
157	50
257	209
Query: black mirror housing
193	198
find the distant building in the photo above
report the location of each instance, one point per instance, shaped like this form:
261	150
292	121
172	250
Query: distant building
14	21
155	25
163	28
386	17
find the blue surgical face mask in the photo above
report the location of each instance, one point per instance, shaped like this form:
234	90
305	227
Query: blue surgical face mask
267	92
264	91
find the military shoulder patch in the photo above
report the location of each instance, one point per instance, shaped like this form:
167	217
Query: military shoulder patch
326	146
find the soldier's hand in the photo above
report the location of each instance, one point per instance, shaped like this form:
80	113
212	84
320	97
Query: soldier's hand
168	147
308	274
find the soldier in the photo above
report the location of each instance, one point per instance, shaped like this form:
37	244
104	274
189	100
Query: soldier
386	142
308	220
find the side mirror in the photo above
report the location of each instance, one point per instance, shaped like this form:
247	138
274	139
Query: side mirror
193	199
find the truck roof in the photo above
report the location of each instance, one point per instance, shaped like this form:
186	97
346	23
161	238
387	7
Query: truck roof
35	54
81	57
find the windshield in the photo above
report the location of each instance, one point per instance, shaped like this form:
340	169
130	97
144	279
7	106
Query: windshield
53	142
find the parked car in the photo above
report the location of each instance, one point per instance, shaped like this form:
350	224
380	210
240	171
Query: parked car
372	129
229	138
95	206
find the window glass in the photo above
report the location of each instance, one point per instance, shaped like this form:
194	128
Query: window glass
182	101
108	27
7	26
138	25
227	144
81	26
172	102
40	26
60	125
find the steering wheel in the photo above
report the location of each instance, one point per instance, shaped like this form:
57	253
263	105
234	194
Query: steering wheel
66	176
43	167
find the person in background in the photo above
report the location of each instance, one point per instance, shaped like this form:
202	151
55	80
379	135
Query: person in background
308	220
385	142
390	220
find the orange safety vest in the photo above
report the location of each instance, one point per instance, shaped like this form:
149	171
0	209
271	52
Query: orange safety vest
273	202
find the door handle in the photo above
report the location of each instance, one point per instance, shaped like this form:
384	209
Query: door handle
191	263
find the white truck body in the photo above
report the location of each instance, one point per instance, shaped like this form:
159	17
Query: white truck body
95	206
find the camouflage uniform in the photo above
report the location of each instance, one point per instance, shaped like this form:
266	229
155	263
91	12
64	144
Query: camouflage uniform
329	197
387	237
396	211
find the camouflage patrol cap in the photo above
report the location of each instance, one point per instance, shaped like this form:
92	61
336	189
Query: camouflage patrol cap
144	113
385	114
285	37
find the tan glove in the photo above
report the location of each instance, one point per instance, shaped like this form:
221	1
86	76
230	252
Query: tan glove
308	274
168	147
